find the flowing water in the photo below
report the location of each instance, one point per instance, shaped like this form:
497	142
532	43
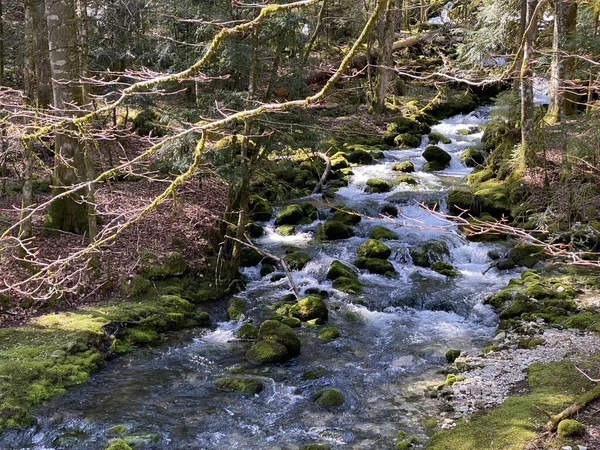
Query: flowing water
393	340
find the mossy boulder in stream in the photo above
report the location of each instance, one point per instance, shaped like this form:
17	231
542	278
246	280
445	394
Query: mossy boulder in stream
472	157
286	230
339	161
295	214
260	208
424	255
381	232
250	257
376	266
377	186
254	230
348	285
436	138
527	255
407	140
329	398
346	215
433	166
309	308
435	154
297	260
444	268
372	248
407	179
328	334
389	210
332	230
117	444
272	330
236	307
403	166
359	157
247	331
237	384
338	269
265	352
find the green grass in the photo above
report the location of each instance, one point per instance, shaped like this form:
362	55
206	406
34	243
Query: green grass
511	425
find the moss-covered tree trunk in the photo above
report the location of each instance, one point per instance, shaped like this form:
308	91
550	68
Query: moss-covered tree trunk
68	212
526	79
386	55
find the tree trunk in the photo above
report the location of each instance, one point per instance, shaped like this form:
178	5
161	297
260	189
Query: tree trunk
386	56
41	60
526	79
565	13
69	212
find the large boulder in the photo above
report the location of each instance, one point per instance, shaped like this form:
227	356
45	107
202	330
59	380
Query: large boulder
345	215
435	138
297	260
426	254
265	352
309	308
359	157
375	265
389	210
407	140
237	384
381	232
273	330
472	157
372	248
260	208
236	308
403	166
377	185
434	153
338	269
349	285
295	213
332	230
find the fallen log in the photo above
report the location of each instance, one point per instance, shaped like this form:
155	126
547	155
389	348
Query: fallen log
581	402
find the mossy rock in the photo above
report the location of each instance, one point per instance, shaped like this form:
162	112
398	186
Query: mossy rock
570	428
436	138
273	330
360	157
329	398
434	153
286	230
584	320
472	157
116	430
444	268
332	230
250	257
349	285
339	161
247	331
451	355
236	308
389	210
148	122
265	352
505	264
314	374
468	131
433	166
138	441
426	254
315	447
254	231
260	208
135	286
154	268
328	334
309	308
290	215
250	386
527	255
462	199
407	179
376	266
291	322
117	444
372	248
452	379
381	232
338	269
266	269
377	186
346	215
407	140
403	166
297	260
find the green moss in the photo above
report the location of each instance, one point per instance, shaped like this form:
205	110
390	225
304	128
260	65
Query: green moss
141	335
376	266
250	257
347	285
452	379
314	374
247	331
407	140
436	138
272	330
527	255
265	352
328	334
297	260
315	447
254	230
377	185
372	248
424	255
403	166
472	157
290	215
513	424
309	308
242	385
329	398
286	230
570	428
260	208
116	430
266	269
435	154
584	320
117	444
444	268
389	210
134	286
236	308
451	355
346	215
433	166
339	161
332	230
530	343
291	322
152	267
359	157
338	269
407	179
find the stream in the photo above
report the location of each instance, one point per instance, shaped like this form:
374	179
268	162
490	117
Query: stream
393	338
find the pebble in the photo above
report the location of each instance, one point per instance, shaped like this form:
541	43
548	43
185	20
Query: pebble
490	377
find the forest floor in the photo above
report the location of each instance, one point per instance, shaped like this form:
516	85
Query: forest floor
185	223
